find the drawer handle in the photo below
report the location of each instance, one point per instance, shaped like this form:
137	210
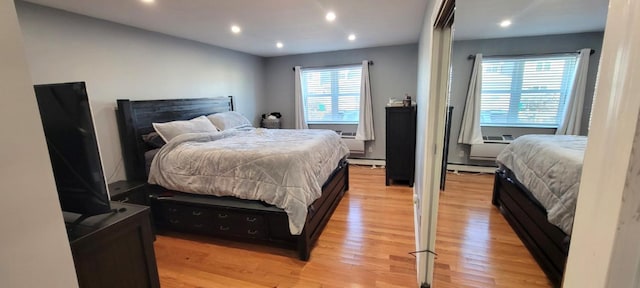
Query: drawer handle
198	225
174	221
251	219
224	228
173	210
222	216
252	232
196	213
125	200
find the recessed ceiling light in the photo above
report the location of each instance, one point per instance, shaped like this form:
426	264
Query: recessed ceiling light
148	1
505	23
235	29
279	45
330	16
352	37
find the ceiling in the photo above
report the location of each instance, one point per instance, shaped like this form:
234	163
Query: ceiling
301	26
479	19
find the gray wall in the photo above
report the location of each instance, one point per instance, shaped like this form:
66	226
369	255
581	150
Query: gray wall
35	249
119	61
459	153
393	74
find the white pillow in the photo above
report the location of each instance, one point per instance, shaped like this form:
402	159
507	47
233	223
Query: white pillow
170	130
229	120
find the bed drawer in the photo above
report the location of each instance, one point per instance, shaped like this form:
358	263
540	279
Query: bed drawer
239	223
233	216
187	218
212	220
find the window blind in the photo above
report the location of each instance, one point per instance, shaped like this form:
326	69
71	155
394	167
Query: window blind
526	91
332	94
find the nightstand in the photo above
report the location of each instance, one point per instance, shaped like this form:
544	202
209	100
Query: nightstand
114	249
129	192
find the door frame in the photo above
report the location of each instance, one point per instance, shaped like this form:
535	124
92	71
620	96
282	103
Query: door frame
426	218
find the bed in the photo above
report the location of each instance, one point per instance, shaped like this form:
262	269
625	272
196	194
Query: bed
536	188
218	215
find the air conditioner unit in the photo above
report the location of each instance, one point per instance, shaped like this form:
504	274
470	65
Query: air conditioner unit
489	150
356	147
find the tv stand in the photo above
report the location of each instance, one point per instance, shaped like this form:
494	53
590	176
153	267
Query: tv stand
85	216
113	249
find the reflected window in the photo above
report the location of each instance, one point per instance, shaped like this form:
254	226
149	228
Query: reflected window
526	91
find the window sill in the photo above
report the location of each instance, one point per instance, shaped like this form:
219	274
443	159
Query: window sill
327	123
518	126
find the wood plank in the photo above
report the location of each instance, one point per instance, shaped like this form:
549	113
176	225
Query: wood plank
476	246
366	244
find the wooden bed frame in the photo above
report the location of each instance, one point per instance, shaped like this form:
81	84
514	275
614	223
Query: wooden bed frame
548	244
228	217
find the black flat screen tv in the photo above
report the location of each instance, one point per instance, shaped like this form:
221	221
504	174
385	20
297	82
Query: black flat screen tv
73	148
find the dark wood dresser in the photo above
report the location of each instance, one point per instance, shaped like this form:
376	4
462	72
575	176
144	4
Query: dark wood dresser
401	144
115	249
445	147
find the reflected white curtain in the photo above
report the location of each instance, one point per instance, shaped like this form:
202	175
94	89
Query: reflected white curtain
470	132
365	123
300	116
571	121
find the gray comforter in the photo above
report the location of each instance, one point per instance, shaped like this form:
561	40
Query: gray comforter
550	167
285	168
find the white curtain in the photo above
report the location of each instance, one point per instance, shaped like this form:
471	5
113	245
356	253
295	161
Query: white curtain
572	118
365	123
300	117
470	132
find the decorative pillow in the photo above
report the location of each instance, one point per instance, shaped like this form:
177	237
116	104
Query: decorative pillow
229	120
170	130
154	140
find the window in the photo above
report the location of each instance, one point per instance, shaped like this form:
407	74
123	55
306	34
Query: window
526	91
332	95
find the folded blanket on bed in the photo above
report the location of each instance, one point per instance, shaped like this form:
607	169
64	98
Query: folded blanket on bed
285	168
550	167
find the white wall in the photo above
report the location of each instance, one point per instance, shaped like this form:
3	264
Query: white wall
121	62
602	249
34	250
392	75
424	206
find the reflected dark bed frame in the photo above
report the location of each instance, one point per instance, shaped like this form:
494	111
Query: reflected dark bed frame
548	244
227	217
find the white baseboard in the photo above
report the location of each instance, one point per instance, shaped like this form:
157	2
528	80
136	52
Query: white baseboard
366	162
468	168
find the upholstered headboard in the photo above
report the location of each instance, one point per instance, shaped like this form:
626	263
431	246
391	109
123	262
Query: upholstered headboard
135	119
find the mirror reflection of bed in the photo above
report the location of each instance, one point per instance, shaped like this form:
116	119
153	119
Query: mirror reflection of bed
522	83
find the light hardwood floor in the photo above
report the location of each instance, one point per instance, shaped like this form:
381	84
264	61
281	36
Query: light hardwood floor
476	246
366	244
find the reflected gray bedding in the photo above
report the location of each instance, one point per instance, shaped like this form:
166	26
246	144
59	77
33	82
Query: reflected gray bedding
550	167
285	168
